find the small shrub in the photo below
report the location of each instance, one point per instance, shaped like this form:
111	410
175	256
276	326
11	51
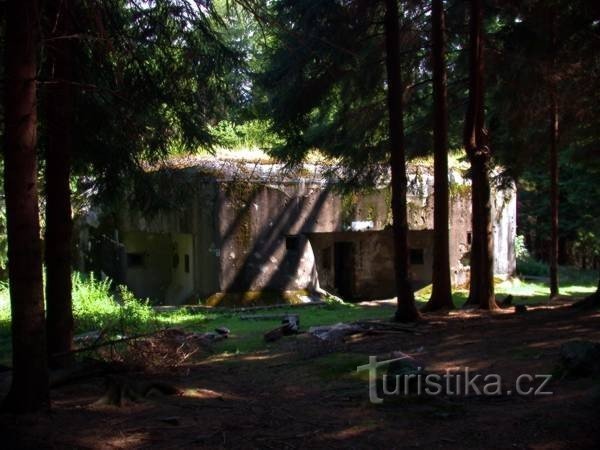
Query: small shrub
94	306
134	314
526	265
521	251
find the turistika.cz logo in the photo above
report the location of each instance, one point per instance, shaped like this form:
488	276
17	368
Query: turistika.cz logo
463	382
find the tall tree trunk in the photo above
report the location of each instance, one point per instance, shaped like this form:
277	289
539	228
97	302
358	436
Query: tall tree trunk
553	195
29	389
475	252
487	298
441	294
59	116
406	310
481	290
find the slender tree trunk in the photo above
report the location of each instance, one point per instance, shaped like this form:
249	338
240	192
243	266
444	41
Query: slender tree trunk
481	289
475	252
554	195
441	294
487	298
406	310
59	116
29	389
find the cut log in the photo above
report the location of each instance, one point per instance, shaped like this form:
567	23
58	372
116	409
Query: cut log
274	334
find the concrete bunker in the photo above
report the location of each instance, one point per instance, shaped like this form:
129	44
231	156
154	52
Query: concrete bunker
248	233
360	264
160	266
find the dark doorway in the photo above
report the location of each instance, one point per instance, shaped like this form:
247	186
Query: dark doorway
344	269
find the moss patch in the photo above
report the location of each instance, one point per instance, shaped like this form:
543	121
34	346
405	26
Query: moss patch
459	190
255	298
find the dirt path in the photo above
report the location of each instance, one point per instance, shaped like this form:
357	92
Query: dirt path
298	396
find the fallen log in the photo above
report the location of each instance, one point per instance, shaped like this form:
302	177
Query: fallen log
263	317
291	325
227	310
104	344
372	324
274	334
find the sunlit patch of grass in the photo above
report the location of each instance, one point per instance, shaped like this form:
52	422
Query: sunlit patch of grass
538	291
523	290
577	290
526	291
96	306
247	335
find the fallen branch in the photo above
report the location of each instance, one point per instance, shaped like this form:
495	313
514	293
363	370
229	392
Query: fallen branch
104	344
392	332
375	325
263	317
225	310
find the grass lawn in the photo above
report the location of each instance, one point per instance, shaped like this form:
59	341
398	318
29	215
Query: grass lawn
95	308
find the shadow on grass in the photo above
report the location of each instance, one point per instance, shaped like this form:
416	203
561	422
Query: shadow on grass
247	335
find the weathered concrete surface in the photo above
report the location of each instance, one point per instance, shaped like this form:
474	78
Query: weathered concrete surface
177	247
268	232
149	258
370	272
262	245
505	230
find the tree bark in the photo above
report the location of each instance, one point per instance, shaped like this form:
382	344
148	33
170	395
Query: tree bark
406	310
591	301
481	289
441	294
554	195
29	389
474	263
59	116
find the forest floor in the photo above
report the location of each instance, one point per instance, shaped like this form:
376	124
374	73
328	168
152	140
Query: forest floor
297	393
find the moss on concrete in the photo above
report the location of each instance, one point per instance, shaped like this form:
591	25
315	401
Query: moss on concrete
349	207
256	298
240	194
459	190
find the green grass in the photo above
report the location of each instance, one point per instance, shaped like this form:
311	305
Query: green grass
573	283
247	335
95	307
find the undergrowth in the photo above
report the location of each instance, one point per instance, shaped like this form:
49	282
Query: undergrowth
97	306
